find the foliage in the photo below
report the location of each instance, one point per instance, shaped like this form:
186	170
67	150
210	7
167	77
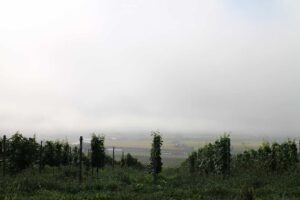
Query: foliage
122	160
192	162
247	193
75	156
212	158
1	146
86	162
275	157
66	154
130	161
21	152
58	153
155	158
98	151
49	154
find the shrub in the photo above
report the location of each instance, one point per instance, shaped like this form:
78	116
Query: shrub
212	158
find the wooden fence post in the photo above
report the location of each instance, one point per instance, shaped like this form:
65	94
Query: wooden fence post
4	154
88	157
80	160
113	158
228	156
41	147
92	164
123	157
70	156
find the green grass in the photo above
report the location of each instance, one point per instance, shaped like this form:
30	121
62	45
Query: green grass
126	184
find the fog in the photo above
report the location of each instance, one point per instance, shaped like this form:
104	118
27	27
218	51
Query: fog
132	66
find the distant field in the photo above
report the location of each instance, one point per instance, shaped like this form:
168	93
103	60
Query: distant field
175	151
170	143
168	161
141	143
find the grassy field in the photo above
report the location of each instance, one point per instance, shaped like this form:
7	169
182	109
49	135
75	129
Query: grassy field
126	184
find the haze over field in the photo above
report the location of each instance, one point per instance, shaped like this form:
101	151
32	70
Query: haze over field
132	66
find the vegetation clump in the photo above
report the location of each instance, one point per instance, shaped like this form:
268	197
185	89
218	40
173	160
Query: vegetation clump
212	158
155	156
269	158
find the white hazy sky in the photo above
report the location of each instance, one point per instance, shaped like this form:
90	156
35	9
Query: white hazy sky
133	66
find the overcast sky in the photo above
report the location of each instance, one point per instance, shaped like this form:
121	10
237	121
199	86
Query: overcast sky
134	66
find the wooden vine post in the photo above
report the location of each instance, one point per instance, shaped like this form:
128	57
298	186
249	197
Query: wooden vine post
113	158
4	154
40	163
228	156
80	160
